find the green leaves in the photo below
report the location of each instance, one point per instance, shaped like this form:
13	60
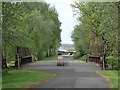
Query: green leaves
99	25
30	24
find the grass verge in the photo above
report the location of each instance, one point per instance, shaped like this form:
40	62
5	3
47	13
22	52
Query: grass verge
0	79
50	58
78	60
112	75
24	78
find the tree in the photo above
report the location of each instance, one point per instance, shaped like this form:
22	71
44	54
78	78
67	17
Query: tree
99	22
30	24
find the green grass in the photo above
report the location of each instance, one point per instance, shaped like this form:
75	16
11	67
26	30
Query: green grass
0	80
112	75
50	58
78	60
23	78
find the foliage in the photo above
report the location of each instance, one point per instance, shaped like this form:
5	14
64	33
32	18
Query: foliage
77	55
30	24
98	26
83	58
113	60
80	41
70	50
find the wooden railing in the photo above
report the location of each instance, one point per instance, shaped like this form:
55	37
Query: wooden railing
23	56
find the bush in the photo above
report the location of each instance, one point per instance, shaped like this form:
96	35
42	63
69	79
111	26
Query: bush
113	60
77	55
11	63
83	58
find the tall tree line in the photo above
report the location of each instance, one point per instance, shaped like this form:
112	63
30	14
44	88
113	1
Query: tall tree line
98	26
34	25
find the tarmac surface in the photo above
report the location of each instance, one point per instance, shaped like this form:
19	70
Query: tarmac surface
72	75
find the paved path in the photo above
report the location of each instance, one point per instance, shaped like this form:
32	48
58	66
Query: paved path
72	75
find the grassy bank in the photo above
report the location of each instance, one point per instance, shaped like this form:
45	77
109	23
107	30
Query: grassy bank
50	58
0	80
79	60
24	78
82	59
112	76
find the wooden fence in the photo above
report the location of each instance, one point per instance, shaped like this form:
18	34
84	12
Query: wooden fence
23	56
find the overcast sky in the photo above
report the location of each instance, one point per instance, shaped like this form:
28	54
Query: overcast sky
66	17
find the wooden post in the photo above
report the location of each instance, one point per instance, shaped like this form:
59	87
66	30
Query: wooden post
18	60
103	63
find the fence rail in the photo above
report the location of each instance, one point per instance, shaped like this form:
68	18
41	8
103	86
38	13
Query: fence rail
23	56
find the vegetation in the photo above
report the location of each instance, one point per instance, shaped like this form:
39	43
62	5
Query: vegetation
22	78
0	79
79	60
70	50
113	77
50	58
34	25
97	30
11	63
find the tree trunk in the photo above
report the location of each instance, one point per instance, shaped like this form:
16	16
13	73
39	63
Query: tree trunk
4	61
104	54
48	52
